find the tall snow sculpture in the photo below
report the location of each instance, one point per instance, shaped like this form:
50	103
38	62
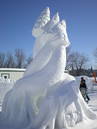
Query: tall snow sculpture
46	97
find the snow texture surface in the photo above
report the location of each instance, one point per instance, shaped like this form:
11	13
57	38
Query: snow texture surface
46	97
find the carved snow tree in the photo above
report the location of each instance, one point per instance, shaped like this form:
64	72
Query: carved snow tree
46	97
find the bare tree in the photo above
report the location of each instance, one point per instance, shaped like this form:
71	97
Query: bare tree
20	58
2	60
68	58
77	62
95	56
10	62
29	60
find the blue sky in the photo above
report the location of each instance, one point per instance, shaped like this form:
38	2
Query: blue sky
17	18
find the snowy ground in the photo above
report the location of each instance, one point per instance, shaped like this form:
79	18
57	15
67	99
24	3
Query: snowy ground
92	104
5	86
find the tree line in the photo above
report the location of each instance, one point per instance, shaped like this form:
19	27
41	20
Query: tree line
76	64
17	59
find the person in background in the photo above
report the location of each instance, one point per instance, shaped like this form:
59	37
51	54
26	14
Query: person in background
83	89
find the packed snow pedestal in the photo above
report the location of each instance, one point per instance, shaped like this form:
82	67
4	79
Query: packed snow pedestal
46	97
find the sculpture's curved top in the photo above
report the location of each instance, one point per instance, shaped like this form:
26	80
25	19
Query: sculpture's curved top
46	28
41	22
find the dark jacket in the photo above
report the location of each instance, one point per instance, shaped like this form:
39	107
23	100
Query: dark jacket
83	84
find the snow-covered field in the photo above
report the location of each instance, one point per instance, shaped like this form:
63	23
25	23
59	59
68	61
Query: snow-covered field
93	106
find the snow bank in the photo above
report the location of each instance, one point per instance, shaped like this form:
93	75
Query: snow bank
5	86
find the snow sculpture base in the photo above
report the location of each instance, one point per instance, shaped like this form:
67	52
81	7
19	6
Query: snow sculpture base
46	97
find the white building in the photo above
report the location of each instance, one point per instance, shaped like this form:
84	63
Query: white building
12	74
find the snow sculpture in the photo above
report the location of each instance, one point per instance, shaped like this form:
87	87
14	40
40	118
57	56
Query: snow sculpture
46	97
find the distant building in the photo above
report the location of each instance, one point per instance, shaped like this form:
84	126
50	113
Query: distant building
12	74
